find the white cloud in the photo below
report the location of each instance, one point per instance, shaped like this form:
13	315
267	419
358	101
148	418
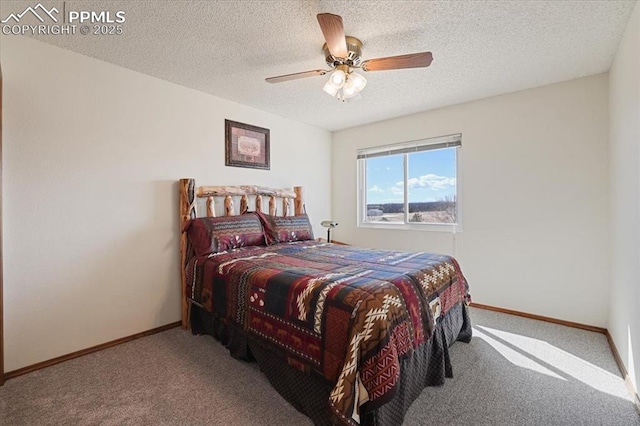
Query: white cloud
376	189
397	190
431	181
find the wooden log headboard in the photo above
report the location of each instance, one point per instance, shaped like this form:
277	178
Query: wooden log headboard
189	195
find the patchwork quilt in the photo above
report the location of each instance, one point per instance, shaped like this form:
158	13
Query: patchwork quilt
348	314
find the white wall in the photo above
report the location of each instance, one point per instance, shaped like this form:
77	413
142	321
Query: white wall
534	190
92	153
624	110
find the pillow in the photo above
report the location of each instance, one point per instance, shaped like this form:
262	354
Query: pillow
286	229
214	234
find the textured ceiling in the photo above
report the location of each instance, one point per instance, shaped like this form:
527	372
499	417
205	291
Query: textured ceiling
480	49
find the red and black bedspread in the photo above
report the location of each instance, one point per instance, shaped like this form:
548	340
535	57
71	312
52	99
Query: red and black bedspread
346	313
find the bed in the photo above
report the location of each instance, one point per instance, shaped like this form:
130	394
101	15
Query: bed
346	335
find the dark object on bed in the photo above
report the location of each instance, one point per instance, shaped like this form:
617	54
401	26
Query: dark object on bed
348	336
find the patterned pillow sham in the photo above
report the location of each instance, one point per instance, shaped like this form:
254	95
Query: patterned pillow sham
286	229
214	234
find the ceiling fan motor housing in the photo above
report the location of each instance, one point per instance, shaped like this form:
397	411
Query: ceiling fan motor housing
353	59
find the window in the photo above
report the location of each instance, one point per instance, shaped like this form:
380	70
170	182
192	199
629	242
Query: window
410	185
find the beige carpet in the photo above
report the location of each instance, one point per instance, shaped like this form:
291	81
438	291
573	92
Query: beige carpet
516	371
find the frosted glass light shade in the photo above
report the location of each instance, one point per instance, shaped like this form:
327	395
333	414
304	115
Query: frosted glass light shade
349	89
358	81
330	88
338	78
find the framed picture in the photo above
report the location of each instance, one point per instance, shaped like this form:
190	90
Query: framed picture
246	145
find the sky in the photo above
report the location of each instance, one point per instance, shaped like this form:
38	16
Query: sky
432	176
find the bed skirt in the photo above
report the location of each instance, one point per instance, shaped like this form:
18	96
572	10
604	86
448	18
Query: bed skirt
429	365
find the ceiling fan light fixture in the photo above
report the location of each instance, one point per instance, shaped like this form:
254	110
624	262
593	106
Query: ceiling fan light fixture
330	88
344	85
349	89
358	81
338	78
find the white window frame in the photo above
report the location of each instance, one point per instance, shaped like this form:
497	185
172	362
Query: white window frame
406	148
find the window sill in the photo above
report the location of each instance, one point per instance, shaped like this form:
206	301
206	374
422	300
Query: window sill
430	227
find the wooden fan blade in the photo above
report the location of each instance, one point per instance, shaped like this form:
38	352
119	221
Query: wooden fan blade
413	60
294	76
333	31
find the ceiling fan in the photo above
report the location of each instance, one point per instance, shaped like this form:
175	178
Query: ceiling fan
343	53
